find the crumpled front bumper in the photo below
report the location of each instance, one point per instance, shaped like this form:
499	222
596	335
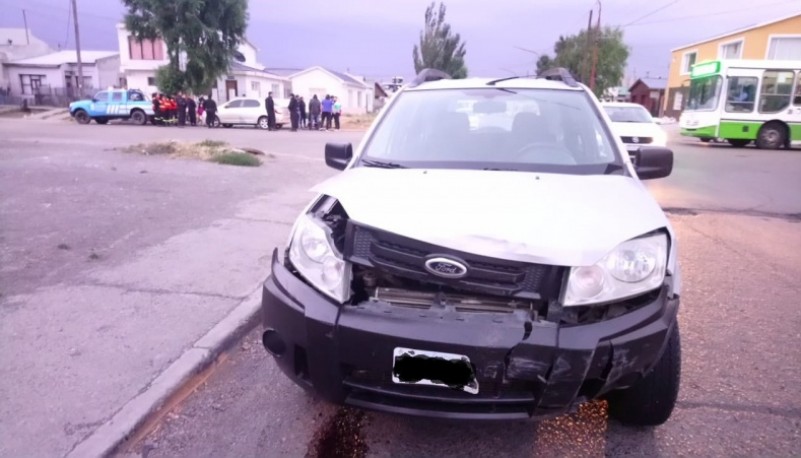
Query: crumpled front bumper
345	353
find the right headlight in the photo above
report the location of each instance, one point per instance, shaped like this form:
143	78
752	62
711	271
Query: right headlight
632	268
315	257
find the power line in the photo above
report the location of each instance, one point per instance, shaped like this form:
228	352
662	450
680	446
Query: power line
652	13
705	15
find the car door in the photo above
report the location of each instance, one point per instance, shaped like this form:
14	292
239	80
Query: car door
251	111
116	104
229	113
99	105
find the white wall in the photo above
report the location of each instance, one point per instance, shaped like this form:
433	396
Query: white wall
321	83
138	79
108	72
54	76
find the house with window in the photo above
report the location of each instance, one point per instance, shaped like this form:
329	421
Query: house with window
139	60
650	93
779	39
354	93
52	79
18	44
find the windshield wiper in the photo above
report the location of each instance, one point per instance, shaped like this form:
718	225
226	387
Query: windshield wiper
382	164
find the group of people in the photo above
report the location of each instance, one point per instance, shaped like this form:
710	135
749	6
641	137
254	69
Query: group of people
316	115
182	109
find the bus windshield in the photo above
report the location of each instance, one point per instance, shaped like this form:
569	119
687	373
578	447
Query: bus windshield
704	93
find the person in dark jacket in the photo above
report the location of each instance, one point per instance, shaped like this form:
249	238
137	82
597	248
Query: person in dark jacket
211	112
269	103
191	110
180	103
294	112
302	109
314	113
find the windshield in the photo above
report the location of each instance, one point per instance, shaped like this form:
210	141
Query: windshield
704	93
628	114
493	128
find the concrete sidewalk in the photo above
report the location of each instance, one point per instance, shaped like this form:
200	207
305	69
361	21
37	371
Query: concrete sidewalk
115	271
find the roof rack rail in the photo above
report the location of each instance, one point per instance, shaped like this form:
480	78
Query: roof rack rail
429	74
559	74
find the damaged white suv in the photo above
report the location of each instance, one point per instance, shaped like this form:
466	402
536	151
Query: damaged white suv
488	252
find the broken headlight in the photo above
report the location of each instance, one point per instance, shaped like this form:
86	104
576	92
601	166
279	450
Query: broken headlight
634	267
313	254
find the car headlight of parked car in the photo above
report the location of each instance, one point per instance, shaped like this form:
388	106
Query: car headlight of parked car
312	252
632	268
660	138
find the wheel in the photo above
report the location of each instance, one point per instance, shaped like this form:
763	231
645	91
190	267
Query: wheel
651	401
739	143
139	117
82	117
263	123
279	126
228	126
705	140
101	120
772	135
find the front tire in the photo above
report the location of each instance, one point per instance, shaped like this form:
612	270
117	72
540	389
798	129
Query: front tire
82	117
101	121
228	126
772	135
263	123
139	117
651	401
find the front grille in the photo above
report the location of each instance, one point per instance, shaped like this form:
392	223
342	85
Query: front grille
406	258
640	140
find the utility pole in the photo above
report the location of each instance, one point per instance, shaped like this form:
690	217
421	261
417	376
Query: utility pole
585	74
78	48
25	20
595	49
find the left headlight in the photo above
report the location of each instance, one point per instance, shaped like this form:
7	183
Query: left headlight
634	267
314	255
660	138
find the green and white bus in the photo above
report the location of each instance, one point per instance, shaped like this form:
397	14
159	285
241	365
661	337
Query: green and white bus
744	101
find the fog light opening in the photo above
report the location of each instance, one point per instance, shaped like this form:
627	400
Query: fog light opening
273	342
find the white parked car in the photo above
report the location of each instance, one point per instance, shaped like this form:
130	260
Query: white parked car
634	125
250	111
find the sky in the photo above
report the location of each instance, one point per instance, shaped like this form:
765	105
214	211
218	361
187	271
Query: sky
374	38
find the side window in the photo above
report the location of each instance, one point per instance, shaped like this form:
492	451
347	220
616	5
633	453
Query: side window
777	87
250	103
234	104
742	94
116	96
135	96
797	98
101	96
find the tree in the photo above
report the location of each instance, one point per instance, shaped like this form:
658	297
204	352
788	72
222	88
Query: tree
439	47
574	52
205	32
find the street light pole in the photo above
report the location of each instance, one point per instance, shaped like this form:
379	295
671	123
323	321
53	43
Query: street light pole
595	49
78	47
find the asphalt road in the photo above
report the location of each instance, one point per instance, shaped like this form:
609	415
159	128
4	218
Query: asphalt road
737	213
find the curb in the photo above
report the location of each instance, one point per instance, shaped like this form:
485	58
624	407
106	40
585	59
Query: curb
202	354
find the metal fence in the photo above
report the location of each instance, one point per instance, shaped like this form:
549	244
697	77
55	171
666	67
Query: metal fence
46	96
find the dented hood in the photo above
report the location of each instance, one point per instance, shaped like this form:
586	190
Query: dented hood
556	219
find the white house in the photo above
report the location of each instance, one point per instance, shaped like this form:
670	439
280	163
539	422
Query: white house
355	94
18	44
53	78
139	60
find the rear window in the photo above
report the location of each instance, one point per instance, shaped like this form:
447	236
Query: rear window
250	103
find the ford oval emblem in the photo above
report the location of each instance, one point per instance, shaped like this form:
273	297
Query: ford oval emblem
446	268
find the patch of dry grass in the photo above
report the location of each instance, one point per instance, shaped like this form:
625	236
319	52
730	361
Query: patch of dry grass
206	150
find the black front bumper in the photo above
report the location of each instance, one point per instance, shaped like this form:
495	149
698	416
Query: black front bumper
345	353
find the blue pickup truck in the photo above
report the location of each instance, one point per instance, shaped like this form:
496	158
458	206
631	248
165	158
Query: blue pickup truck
113	104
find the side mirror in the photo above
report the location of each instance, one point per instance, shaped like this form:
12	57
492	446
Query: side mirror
652	162
338	155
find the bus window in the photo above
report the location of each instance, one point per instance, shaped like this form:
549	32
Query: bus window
797	99
704	93
777	87
742	94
